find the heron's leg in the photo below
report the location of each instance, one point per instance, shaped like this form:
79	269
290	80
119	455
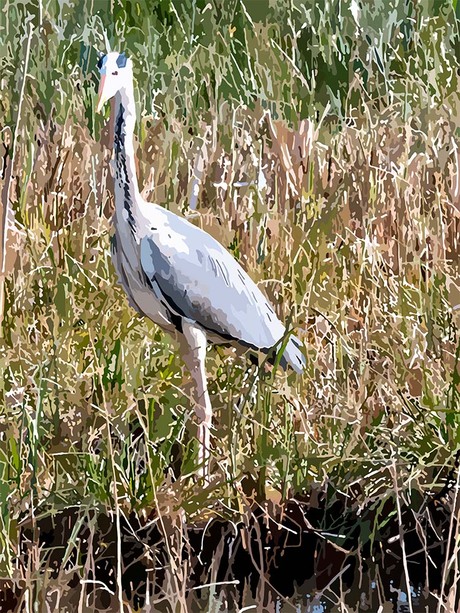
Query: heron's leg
194	355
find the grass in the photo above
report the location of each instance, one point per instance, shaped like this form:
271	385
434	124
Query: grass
325	150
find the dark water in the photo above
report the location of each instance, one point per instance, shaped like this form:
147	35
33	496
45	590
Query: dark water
319	554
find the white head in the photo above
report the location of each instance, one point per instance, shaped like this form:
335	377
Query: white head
116	74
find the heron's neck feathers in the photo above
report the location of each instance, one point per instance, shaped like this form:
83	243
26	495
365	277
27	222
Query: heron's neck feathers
127	197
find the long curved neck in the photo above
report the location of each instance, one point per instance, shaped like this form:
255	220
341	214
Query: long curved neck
126	187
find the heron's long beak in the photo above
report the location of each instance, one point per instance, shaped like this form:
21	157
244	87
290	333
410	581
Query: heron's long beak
101	95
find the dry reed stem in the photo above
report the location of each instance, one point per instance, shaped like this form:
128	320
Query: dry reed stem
5	196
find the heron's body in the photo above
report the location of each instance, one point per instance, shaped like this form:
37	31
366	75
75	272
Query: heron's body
172	270
178	275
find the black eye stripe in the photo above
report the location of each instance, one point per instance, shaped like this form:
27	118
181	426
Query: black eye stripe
115	72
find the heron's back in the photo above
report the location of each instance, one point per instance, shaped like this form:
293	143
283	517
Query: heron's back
202	281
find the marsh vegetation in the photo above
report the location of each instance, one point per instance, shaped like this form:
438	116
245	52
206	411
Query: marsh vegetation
320	145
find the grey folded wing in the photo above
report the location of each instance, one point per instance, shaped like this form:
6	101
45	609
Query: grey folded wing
199	280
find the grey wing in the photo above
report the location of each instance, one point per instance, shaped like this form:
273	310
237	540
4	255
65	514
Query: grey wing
201	281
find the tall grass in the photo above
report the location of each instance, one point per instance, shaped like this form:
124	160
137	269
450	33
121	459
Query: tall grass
323	141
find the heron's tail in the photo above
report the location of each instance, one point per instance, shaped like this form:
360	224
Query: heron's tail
293	356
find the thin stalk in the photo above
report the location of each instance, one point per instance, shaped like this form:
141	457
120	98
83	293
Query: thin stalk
117	509
6	207
401	537
115	491
450	537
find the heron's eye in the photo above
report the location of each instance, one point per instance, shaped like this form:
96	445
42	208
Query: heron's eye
115	73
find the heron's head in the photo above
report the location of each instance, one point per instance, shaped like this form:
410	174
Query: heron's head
116	73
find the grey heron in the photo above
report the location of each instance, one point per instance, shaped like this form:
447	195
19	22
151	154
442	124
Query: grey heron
175	273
